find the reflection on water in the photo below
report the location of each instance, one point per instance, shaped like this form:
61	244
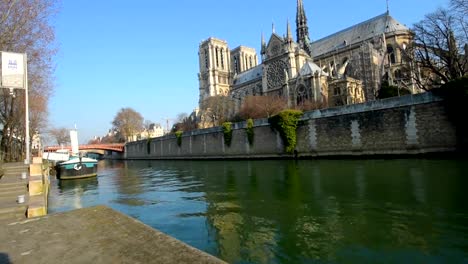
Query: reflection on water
291	211
74	190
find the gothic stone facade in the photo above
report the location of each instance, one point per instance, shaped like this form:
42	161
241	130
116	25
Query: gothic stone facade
346	67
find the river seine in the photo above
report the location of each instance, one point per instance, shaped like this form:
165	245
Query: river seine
284	211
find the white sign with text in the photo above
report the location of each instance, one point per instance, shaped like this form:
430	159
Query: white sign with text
13	70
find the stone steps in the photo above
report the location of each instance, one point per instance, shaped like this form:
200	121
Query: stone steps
10	209
14	191
12	186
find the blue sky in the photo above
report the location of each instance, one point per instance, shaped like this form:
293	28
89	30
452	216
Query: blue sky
143	54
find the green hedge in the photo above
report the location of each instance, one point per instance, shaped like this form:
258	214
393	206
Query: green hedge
227	131
250	131
286	124
178	135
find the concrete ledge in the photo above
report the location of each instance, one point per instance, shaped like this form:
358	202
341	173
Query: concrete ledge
36	185
92	235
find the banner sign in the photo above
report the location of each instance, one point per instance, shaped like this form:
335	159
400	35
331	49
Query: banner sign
13	70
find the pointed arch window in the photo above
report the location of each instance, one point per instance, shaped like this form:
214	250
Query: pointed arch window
222	59
391	54
397	74
206	58
245	63
303	95
250	61
236	65
216	55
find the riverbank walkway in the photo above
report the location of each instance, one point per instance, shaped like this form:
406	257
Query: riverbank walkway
13	185
92	235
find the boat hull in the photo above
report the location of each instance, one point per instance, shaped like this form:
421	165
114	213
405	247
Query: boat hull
76	170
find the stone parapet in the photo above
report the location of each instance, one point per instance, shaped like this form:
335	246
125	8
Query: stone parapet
412	124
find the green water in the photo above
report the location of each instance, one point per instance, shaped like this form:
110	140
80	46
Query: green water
325	211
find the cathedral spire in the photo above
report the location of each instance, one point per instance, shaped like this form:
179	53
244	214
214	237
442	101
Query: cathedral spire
263	49
288	34
302	30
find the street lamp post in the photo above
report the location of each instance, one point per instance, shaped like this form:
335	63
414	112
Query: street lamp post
14	75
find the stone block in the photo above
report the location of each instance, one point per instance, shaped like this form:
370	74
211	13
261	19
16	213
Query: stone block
36	185
35	211
37	160
35	169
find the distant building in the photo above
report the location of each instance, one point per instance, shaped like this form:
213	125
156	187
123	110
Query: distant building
36	143
346	67
153	131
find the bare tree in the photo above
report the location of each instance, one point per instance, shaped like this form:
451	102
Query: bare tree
61	135
184	122
181	117
309	105
460	6
262	106
26	27
127	122
217	109
438	49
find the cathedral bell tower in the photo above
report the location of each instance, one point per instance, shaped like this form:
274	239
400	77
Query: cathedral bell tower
215	67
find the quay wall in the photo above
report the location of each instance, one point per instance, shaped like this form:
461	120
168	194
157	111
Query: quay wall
412	124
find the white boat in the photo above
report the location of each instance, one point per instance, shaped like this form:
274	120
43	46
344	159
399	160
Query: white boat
57	156
77	166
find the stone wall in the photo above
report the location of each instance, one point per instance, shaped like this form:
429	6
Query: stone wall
410	124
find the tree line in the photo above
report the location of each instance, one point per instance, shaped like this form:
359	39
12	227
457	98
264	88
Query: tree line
26	27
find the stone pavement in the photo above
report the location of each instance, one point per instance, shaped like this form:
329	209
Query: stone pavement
92	235
11	186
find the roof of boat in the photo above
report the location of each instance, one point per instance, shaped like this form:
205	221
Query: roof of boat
77	160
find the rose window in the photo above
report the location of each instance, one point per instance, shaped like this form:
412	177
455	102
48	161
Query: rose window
276	73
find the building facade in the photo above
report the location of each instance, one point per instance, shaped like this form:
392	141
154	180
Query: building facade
346	67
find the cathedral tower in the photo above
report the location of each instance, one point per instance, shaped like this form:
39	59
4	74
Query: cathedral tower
243	59
215	67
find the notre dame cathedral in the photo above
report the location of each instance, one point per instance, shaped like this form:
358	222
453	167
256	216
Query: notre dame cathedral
346	67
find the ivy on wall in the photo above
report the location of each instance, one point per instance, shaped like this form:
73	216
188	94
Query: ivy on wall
285	122
178	135
250	131
227	131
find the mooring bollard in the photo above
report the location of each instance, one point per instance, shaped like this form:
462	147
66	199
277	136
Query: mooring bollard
23	175
20	199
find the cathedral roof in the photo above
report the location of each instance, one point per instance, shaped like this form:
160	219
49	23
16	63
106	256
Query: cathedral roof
363	31
249	75
310	68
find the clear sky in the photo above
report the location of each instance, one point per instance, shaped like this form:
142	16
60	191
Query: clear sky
143	54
